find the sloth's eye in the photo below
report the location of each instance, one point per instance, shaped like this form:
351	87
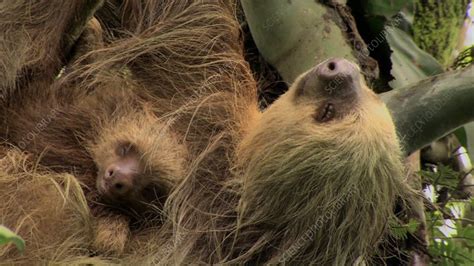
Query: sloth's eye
325	113
125	148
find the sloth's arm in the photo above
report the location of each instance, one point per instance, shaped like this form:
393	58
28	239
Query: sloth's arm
37	37
111	233
111	229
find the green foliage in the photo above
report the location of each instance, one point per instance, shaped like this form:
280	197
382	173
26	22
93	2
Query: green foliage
291	34
465	58
465	134
450	252
454	245
445	177
389	38
457	249
400	231
7	236
437	26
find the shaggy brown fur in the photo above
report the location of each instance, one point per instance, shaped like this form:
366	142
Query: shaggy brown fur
294	184
79	130
33	42
298	189
37	204
237	203
189	52
83	136
345	173
158	159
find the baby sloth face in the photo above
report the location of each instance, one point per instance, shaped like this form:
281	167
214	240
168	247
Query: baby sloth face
138	160
122	176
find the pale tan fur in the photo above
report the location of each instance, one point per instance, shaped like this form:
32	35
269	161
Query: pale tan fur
296	170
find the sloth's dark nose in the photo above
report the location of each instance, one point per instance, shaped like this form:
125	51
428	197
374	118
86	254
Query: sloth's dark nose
333	77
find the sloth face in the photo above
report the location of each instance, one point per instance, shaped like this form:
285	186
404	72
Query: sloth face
316	131
329	101
329	137
332	87
138	160
122	175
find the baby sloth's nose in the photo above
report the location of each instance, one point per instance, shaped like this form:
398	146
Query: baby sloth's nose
119	182
333	77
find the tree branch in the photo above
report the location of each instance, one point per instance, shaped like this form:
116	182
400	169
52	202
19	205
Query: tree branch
432	108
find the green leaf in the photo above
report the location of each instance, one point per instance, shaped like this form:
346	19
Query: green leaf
290	35
467	232
445	177
466	133
386	8
7	236
400	231
410	63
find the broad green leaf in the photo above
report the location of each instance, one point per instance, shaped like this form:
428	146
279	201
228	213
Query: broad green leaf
410	63
295	35
7	236
386	8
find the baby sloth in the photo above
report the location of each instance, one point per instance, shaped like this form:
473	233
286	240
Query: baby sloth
138	161
120	176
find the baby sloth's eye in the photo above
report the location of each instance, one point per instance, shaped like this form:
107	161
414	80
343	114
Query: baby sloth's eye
125	148
325	113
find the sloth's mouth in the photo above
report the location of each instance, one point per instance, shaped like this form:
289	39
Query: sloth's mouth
326	113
